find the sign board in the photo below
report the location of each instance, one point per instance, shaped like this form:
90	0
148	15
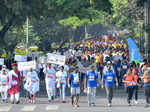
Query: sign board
26	65
1	61
56	59
20	58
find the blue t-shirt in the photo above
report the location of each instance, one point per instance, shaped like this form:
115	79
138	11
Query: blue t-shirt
109	77
91	79
75	79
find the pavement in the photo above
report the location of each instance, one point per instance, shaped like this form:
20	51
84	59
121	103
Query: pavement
119	104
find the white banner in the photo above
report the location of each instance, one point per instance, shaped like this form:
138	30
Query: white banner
1	61
20	58
26	65
56	59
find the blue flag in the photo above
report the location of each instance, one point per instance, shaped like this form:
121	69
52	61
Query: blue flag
134	54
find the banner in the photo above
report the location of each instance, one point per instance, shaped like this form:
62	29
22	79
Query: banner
20	58
56	59
26	65
133	51
1	61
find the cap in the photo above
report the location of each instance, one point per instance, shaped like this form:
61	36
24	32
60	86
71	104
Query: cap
108	63
14	64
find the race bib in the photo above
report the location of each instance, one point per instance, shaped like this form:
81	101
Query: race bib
14	82
110	78
3	83
50	75
131	82
91	78
76	79
63	81
124	66
33	80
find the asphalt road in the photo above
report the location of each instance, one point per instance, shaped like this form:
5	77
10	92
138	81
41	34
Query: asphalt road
42	105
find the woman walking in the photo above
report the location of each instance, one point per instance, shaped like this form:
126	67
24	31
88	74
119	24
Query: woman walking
61	76
4	85
130	82
33	84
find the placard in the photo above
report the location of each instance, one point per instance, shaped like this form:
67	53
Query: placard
56	59
26	65
20	58
1	61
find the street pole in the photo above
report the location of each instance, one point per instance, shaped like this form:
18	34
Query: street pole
85	31
27	34
146	22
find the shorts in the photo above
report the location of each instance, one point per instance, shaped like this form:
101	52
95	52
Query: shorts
75	90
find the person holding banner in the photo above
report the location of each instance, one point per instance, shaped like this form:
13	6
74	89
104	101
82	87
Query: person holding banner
50	80
4	85
33	84
14	79
74	79
61	83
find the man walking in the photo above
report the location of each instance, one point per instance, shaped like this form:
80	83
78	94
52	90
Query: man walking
109	78
90	85
74	79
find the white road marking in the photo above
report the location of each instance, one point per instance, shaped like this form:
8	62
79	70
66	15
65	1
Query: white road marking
52	107
5	108
28	108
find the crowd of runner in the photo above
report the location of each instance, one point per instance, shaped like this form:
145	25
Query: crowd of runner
90	64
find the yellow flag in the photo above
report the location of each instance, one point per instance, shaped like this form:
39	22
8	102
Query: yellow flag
3	55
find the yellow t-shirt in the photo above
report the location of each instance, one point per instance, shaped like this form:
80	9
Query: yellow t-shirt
97	59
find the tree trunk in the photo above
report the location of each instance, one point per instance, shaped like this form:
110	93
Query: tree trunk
6	28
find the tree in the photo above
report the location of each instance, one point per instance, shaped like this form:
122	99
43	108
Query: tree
13	15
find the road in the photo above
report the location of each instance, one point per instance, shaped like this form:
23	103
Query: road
42	105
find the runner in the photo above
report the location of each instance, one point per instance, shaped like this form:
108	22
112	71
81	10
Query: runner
130	81
14	83
4	85
108	78
135	73
61	76
75	86
146	79
33	84
50	80
90	85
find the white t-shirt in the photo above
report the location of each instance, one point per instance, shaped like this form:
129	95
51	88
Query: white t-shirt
61	76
